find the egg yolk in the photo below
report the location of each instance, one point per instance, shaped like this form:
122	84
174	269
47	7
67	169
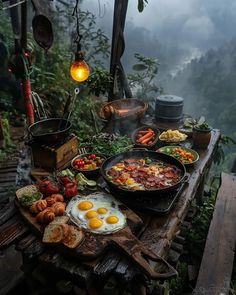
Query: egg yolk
85	205
95	223
91	214
112	219
102	210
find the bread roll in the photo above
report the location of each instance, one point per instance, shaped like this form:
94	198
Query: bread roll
58	197
54	198
46	216
38	206
59	208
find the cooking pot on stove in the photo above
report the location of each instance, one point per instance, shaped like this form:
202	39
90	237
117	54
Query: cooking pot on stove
50	130
108	163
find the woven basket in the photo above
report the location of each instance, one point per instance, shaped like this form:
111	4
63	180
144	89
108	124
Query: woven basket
111	110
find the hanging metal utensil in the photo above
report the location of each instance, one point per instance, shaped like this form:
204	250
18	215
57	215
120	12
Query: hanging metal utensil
70	108
41	24
38	106
76	92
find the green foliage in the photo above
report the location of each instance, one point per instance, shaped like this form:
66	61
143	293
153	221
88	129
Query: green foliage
50	71
142	80
222	152
99	81
84	117
178	284
8	146
108	144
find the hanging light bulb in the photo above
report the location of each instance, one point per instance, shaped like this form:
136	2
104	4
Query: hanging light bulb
79	69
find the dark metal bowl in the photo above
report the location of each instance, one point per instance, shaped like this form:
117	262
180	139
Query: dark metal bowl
91	172
50	130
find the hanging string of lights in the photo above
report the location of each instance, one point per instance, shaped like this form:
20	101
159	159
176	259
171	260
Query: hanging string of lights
79	69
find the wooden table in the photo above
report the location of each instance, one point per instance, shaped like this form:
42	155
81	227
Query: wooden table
113	271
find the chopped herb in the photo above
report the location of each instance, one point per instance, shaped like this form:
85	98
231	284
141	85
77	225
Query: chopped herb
29	199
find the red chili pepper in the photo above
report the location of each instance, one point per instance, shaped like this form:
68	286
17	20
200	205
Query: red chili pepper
71	190
47	188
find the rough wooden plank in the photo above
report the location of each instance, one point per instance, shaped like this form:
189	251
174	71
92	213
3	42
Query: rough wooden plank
217	262
12	230
57	261
7	212
26	242
7	179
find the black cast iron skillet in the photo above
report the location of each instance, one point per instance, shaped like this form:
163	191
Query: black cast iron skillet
107	164
50	130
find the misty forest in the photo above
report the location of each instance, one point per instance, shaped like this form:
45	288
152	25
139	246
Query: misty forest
140	50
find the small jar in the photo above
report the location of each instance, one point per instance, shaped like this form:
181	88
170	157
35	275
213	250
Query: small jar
201	137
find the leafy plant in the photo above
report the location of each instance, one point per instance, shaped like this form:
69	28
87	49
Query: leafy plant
142	80
225	141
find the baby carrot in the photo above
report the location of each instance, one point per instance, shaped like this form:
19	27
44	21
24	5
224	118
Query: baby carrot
146	140
146	136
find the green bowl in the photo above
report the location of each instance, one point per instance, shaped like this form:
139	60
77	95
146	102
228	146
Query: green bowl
168	151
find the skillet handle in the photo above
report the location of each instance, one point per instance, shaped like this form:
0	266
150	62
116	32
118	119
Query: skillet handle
186	178
140	256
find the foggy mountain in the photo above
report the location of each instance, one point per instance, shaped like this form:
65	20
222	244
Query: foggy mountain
174	31
208	86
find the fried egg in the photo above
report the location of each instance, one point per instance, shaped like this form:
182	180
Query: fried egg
98	213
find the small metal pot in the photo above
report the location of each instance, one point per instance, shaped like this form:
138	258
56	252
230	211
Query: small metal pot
50	130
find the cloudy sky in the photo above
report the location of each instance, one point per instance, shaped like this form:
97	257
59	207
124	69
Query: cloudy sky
199	24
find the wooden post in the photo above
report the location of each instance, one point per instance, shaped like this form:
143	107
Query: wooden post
26	86
119	86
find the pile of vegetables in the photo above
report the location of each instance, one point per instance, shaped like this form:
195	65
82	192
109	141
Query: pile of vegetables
180	154
108	144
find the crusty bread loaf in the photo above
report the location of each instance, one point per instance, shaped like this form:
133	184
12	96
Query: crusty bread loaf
56	233
46	216
59	208
53	233
74	237
38	206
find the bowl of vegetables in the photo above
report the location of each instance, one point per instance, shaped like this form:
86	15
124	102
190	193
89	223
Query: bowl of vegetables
185	155
88	163
27	195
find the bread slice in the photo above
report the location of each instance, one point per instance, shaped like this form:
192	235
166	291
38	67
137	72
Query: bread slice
74	237
53	233
60	220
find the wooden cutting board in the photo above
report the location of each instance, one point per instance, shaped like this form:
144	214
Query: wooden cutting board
94	245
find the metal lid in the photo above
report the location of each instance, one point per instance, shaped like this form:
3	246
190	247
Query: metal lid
173	99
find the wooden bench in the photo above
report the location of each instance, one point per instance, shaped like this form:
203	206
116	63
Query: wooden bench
217	263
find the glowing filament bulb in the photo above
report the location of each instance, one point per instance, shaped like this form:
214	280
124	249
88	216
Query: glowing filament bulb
79	70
